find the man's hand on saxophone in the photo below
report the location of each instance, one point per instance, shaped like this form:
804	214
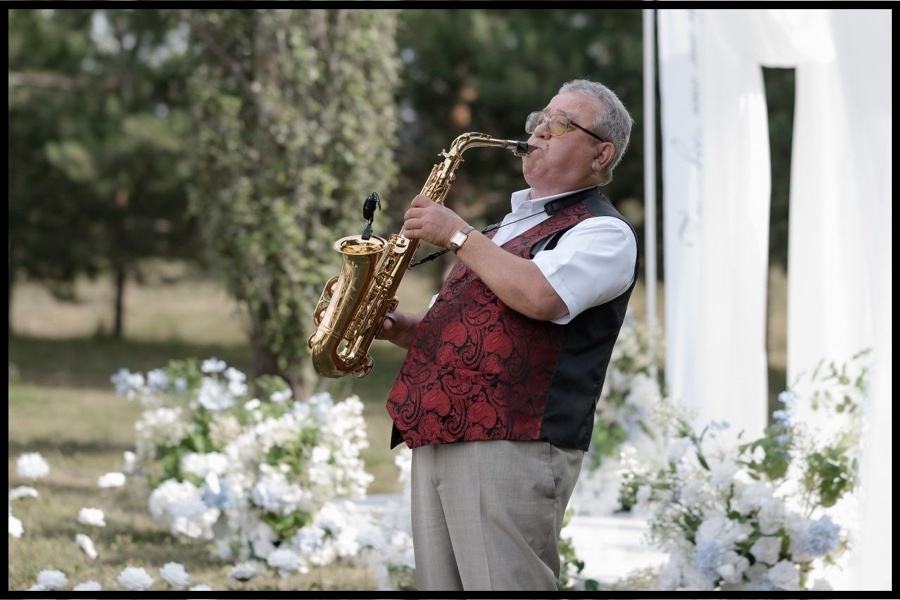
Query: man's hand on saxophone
398	328
428	221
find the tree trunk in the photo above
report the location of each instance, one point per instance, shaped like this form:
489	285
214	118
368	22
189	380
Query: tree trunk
119	303
9	296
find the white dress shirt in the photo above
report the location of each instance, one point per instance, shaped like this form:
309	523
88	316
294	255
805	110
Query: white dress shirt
592	263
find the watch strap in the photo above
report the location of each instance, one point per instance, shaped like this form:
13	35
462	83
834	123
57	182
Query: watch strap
460	237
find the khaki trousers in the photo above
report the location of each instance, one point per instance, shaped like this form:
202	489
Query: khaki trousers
487	515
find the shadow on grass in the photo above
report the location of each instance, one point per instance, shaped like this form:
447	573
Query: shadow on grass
89	362
46	446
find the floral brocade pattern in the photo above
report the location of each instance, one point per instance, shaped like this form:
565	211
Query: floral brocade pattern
479	370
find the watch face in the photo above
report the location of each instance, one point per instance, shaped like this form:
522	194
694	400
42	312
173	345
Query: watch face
460	236
456	241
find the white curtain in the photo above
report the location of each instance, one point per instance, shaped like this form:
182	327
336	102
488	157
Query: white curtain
716	193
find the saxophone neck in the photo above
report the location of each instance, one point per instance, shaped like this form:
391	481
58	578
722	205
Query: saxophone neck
474	139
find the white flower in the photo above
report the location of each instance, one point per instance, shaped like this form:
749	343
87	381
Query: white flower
771	515
213	396
92	516
86	544
285	560
23	491
784	575
52	579
88	586
201	465
693	492
749	497
201	587
732	567
180	503
163	426
111	480
717	526
281	397
135	578
822	585
677	448
766	549
157	380
237	385
212	365
723	472
175	574
244	571
127	384
32	465
129	460
15	526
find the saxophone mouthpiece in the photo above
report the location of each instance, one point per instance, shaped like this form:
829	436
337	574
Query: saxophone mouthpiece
520	148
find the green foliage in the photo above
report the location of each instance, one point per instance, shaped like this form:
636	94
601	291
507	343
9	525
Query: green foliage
606	439
294	126
570	566
96	160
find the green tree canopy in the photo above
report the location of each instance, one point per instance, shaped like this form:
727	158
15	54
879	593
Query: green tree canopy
295	124
96	170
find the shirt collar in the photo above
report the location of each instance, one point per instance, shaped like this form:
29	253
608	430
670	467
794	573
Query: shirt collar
521	200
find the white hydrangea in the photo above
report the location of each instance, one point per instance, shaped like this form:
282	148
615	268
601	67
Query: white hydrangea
32	465
175	575
52	579
134	578
92	516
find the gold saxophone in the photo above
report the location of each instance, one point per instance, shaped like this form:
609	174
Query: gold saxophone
352	307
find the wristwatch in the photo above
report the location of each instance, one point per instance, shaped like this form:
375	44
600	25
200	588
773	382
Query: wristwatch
460	237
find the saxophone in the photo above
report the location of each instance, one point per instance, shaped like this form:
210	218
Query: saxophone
353	305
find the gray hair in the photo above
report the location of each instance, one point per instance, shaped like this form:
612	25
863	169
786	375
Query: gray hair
614	123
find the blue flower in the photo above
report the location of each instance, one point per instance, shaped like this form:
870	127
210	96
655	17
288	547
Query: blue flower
820	538
216	492
708	557
789	399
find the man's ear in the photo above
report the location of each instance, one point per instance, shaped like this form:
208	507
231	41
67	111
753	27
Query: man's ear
603	156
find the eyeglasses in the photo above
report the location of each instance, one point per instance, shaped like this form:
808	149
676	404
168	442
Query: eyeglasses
557	124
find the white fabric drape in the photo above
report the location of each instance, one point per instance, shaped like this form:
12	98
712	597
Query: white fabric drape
840	265
716	191
716	186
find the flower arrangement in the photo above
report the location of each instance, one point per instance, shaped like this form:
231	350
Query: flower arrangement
257	476
621	420
631	389
757	515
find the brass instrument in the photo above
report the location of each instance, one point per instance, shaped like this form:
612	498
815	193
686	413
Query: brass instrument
352	307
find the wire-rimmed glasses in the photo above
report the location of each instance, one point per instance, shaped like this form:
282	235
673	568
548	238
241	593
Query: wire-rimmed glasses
557	124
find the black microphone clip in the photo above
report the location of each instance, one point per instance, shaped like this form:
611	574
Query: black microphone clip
371	204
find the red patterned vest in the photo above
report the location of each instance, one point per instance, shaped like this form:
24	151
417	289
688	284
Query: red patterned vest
478	370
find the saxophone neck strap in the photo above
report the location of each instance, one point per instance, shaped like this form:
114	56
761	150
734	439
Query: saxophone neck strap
554	206
551	208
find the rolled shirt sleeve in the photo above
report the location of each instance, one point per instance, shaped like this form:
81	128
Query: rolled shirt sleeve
591	264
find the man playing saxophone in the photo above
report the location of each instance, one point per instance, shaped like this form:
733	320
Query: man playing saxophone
496	395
